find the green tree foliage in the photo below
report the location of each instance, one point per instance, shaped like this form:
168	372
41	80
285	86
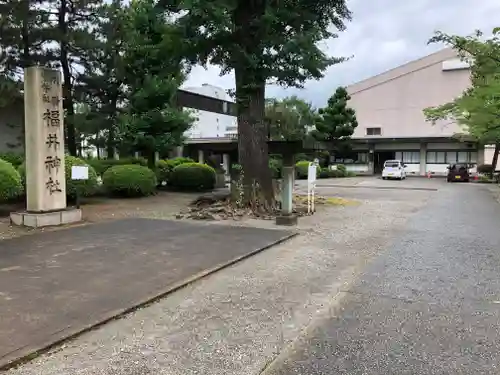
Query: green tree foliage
263	42
290	118
101	86
478	108
336	122
154	70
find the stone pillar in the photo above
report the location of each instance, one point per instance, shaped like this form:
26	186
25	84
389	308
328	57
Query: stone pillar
179	151
136	155
371	159
44	140
423	159
287	217
157	156
201	157
117	155
226	164
44	148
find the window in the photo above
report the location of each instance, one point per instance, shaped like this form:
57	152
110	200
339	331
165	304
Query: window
410	157
436	157
362	157
373	131
451	157
462	157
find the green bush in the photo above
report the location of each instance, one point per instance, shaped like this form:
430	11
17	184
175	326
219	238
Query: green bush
342	168
14	158
131	180
324	173
85	188
10	182
174	162
193	176
163	171
102	165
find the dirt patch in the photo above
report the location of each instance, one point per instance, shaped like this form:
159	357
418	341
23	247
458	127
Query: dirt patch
164	205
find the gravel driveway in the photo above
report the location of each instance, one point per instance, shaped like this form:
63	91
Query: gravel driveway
237	320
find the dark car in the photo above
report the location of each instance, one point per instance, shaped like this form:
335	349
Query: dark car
458	172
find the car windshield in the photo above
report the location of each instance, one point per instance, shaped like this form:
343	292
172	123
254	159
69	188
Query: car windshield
391	164
459	166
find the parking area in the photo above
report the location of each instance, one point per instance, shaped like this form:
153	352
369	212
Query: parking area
374	188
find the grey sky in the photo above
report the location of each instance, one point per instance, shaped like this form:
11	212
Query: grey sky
382	35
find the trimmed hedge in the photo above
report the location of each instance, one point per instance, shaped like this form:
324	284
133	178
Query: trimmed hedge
193	176
164	168
129	181
14	158
102	165
10	182
85	188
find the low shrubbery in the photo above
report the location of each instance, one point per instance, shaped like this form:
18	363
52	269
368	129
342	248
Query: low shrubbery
301	169
10	182
102	165
14	158
85	188
131	180
193	176
164	168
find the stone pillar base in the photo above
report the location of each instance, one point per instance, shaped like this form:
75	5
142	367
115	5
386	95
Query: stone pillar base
46	219
288	220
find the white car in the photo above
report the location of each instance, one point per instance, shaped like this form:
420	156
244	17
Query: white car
394	169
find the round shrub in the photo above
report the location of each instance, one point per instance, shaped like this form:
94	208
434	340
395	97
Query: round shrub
163	170
301	169
102	165
10	182
324	173
193	176
85	188
129	180
342	168
16	159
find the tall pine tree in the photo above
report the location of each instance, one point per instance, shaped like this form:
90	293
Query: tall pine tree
154	71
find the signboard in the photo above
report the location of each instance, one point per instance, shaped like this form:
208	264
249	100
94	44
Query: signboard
79	172
311	182
311	173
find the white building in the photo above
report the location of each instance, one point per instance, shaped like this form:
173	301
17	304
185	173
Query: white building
209	124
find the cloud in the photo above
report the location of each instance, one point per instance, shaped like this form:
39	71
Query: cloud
383	34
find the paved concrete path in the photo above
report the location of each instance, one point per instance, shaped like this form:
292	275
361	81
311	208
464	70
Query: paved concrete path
429	305
55	284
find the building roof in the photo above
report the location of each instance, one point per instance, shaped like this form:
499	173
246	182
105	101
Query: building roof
410	67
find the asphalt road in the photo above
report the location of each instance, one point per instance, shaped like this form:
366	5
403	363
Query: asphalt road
429	305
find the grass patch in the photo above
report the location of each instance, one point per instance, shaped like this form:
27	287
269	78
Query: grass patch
327	201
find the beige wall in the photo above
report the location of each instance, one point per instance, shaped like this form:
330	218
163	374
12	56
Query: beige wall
394	100
11	122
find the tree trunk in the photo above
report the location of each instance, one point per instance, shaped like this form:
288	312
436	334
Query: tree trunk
494	162
68	104
110	142
253	151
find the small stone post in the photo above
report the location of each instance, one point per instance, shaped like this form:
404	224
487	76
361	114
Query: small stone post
287	217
